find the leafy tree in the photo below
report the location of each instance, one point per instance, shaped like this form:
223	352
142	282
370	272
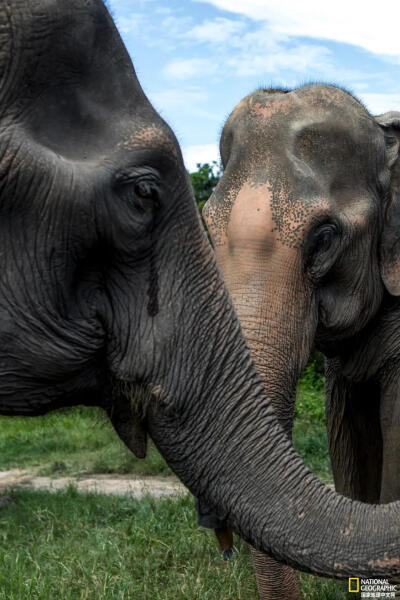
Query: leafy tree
204	181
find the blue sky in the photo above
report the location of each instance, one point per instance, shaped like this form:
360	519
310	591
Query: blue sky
197	58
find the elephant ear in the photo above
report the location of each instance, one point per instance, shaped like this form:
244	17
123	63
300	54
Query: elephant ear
390	245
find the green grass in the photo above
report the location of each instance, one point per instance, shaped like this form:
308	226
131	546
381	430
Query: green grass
71	442
71	546
74	546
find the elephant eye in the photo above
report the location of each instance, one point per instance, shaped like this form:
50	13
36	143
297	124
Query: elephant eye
143	189
146	195
140	188
324	239
142	185
320	251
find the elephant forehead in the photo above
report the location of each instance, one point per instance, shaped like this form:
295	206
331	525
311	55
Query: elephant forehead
317	100
299	154
251	220
272	120
261	214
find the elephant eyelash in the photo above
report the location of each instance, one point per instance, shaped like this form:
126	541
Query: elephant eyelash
139	186
131	176
321	250
321	238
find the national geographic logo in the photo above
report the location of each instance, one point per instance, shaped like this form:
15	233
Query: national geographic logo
372	588
354	584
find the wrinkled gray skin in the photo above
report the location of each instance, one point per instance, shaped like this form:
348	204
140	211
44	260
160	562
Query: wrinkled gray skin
363	380
110	295
297	221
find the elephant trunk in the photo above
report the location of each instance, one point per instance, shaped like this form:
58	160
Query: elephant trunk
279	333
229	449
278	316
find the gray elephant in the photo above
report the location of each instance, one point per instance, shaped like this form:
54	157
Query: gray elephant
363	376
297	220
110	295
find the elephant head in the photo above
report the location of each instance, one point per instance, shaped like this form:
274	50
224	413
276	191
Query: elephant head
110	295
297	220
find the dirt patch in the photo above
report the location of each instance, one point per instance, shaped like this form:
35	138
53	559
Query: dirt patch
136	487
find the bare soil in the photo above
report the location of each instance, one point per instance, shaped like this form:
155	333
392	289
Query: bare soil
137	487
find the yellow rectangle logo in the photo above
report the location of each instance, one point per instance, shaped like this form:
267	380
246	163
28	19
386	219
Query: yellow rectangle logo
354	584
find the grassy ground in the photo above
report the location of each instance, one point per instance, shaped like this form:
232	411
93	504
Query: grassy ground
71	442
74	546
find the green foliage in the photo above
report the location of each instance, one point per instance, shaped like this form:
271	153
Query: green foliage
313	374
309	431
310	402
310	441
204	181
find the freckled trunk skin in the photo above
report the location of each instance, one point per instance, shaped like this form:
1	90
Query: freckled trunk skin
279	341
275	580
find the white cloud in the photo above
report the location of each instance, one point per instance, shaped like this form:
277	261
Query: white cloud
215	32
186	68
161	31
244	52
205	153
350	21
301	59
380	103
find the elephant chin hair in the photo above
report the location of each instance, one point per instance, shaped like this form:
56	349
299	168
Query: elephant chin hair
128	409
137	396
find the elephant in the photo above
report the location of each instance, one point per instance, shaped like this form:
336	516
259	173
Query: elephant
308	241
362	376
110	295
